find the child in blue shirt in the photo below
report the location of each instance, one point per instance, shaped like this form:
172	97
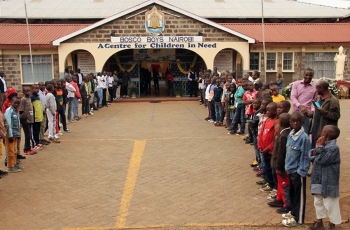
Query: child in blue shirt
13	134
297	164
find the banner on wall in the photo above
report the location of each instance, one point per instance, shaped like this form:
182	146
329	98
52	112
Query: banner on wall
86	63
224	60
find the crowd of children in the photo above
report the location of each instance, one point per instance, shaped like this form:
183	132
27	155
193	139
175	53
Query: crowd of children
42	108
282	150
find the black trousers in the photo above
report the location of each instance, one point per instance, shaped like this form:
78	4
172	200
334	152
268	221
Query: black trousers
156	85
193	88
212	110
124	90
147	86
267	170
297	193
27	129
62	116
36	132
104	99
84	105
110	92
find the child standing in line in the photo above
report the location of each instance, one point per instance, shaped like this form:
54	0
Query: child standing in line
51	108
297	164
208	98
37	115
277	162
325	178
60	106
85	96
26	107
265	144
262	119
42	93
253	126
13	119
231	104
248	98
276	97
3	132
218	91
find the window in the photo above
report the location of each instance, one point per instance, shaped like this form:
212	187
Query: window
287	61
322	64
254	61
271	61
42	68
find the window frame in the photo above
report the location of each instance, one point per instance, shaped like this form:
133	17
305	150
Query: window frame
41	54
271	70
259	59
287	70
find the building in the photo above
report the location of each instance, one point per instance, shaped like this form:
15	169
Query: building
161	35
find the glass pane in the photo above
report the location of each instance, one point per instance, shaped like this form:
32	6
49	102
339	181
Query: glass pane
287	56
271	56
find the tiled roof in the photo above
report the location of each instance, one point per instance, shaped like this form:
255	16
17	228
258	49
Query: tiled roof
99	9
295	33
41	34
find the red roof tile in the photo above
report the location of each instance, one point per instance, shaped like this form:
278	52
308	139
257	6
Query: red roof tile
41	34
295	33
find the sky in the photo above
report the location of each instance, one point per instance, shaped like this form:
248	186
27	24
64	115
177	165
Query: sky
334	3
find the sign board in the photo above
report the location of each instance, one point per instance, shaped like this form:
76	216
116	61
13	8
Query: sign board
224	60
150	39
86	63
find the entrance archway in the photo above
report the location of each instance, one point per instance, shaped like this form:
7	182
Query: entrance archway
80	59
137	61
231	60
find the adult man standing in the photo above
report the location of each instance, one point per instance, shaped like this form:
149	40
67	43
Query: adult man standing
328	112
3	88
303	92
257	83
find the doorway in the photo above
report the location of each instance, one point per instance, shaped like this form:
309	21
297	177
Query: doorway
136	61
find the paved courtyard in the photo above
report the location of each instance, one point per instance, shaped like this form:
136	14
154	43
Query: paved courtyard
147	165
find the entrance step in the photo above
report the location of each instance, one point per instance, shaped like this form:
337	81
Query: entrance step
156	99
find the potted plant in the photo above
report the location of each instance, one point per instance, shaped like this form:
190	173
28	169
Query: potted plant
178	91
134	91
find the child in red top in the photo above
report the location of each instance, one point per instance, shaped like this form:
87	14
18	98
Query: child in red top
266	142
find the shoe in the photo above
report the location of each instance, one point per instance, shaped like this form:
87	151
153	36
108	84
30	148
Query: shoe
44	142
254	164
55	140
21	157
232	133
317	226
273	197
259	173
273	192
206	119
13	170
60	125
72	121
91	113
67	131
46	133
331	226
38	148
211	121
266	189
239	133
290	223
282	210
56	136
95	109
276	203
287	215
256	168
28	152
3	172
261	182
18	167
